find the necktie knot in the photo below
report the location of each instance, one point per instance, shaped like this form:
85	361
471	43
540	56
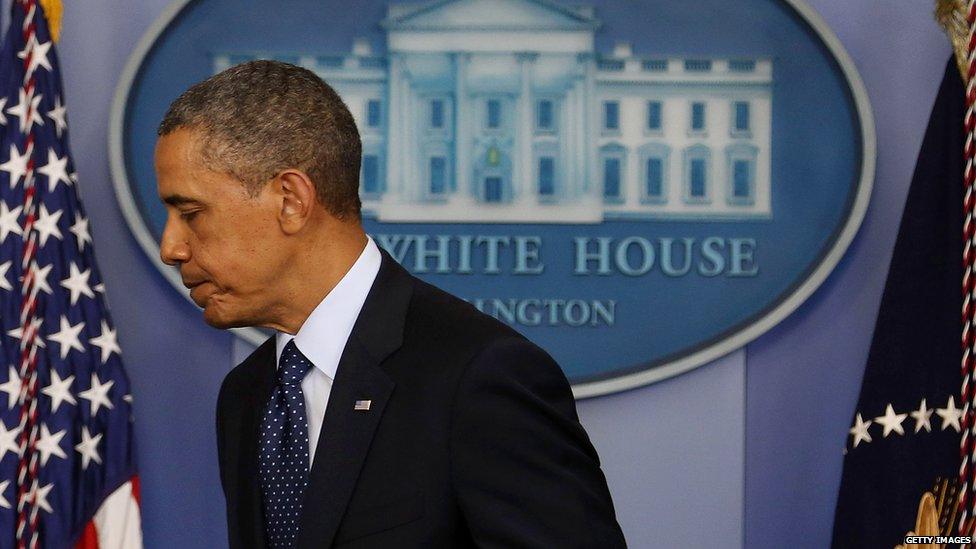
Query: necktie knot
293	365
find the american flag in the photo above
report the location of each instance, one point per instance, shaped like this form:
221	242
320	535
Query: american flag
67	458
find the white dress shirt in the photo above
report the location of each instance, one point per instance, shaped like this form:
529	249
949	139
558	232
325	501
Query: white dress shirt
324	333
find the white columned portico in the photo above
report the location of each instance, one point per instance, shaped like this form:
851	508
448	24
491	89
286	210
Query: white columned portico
523	187
395	143
580	154
412	187
566	134
591	183
464	175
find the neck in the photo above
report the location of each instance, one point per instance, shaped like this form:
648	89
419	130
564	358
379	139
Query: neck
327	255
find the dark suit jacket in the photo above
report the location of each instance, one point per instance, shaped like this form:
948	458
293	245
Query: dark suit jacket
471	439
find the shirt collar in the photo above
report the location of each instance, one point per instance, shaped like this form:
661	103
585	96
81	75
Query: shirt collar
323	335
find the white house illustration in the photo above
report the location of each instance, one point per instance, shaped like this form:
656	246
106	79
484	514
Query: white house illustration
502	111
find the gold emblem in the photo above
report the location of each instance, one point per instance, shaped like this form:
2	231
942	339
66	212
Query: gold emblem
936	514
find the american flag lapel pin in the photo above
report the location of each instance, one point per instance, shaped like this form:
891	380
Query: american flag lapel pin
362	405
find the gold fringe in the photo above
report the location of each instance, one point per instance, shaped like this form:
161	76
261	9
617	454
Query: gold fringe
53	10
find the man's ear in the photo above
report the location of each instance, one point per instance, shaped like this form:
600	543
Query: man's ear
297	200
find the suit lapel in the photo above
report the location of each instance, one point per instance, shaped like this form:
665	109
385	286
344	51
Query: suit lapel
250	512
346	432
343	443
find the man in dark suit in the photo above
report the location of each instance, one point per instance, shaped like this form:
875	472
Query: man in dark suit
385	412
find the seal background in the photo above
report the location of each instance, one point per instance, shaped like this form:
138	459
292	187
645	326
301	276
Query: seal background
823	166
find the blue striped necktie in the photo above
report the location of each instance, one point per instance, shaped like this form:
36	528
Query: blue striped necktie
283	462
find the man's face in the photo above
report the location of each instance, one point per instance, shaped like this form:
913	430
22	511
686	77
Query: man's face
228	245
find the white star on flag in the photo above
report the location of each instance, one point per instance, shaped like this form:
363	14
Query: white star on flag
8	440
47	224
16	165
77	283
80	230
18	332
4	283
40	278
59	390
39	496
26	110
38	52
3	489
107	342
8	221
50	444
3	103
950	415
67	337
860	430
97	395
12	387
88	447
56	170
891	421
57	114
922	418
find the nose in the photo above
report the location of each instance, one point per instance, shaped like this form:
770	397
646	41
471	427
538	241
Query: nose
173	247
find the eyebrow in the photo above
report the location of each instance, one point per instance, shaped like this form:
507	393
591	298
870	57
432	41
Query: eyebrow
179	200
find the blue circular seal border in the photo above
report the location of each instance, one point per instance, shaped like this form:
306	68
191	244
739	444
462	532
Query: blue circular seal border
707	351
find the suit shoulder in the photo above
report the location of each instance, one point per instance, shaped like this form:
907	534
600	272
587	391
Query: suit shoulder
449	322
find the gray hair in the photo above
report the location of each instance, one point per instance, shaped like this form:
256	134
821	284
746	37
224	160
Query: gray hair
259	118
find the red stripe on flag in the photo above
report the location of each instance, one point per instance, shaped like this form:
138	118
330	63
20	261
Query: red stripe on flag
136	491
89	538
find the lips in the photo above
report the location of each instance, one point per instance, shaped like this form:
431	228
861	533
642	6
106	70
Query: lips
193	282
196	293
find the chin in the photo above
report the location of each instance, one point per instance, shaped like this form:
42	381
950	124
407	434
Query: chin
220	323
222	319
216	318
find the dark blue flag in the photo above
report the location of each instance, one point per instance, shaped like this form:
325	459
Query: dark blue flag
902	454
